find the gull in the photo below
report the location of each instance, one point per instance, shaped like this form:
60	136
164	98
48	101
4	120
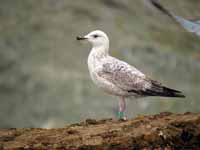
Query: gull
192	26
117	77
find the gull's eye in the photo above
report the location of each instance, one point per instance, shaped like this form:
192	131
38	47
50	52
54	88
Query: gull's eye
95	36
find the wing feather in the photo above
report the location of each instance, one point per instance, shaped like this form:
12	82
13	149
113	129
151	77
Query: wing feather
130	79
124	76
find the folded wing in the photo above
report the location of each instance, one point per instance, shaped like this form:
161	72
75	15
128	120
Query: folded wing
130	79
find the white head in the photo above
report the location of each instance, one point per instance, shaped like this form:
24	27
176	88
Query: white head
97	38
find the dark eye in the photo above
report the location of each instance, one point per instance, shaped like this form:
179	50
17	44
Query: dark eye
95	36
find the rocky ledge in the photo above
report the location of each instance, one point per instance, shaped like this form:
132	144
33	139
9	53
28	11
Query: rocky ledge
161	131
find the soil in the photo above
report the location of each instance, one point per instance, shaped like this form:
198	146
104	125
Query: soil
164	131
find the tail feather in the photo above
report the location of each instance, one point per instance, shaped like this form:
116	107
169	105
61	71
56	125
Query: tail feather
166	92
172	93
158	90
172	90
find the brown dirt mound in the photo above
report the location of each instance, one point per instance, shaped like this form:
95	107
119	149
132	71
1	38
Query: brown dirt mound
162	131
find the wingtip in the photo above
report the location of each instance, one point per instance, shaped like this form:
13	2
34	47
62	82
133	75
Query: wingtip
180	96
174	93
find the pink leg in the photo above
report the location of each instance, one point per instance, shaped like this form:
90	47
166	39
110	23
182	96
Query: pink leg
122	107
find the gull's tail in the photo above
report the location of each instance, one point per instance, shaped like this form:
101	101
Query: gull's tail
159	90
164	92
167	92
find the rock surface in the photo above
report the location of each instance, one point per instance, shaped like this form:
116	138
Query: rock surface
162	131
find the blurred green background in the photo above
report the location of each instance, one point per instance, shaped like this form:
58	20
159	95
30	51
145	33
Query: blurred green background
44	80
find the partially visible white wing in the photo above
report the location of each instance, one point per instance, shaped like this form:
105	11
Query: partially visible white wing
191	26
197	22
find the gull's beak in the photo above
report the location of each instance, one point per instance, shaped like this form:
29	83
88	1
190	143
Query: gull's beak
81	38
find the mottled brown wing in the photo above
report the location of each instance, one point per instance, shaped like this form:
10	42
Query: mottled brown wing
124	76
130	79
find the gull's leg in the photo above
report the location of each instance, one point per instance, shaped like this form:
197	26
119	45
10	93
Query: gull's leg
122	107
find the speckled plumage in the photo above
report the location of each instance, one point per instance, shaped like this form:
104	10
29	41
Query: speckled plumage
118	77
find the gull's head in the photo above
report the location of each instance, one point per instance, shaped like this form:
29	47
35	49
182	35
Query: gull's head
97	38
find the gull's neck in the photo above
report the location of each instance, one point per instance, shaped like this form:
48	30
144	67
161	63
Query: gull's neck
97	54
100	51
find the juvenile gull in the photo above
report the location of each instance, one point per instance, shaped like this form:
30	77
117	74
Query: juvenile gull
117	77
190	25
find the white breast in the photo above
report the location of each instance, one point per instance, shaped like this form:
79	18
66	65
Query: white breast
95	62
